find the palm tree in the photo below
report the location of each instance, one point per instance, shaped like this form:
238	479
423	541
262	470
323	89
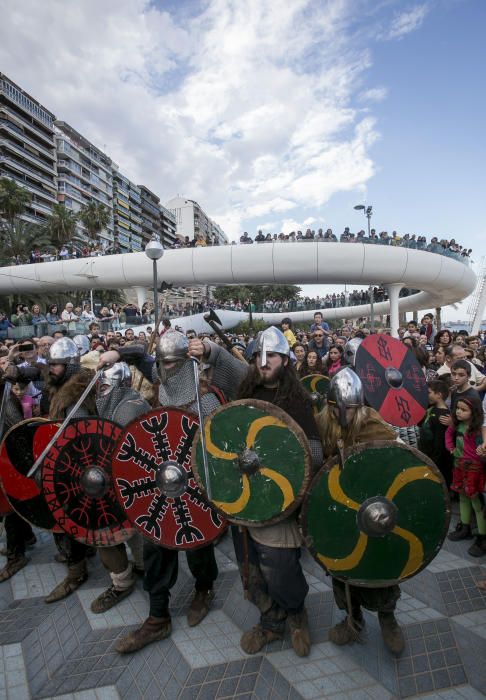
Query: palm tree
94	217
18	238
61	225
13	199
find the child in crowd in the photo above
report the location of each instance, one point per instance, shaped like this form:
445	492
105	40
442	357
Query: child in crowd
461	387
432	431
462	440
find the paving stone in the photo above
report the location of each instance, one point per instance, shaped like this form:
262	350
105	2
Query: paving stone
67	651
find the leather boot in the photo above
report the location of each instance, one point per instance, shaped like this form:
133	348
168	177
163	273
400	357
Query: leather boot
153	630
109	598
478	547
462	532
13	565
391	632
299	633
347	631
199	607
77	574
256	638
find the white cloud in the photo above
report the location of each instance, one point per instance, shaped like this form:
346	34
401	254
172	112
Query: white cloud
247	109
407	22
377	94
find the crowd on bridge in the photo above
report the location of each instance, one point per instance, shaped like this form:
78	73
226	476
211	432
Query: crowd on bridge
443	246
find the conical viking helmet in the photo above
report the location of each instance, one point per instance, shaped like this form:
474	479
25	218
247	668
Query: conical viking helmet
345	391
270	340
350	350
172	347
117	375
63	352
82	341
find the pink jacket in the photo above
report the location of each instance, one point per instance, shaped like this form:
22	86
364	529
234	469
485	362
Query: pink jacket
471	441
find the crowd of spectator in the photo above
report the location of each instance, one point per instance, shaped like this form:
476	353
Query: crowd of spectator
436	245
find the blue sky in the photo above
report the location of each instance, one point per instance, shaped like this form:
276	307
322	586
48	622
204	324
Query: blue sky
274	114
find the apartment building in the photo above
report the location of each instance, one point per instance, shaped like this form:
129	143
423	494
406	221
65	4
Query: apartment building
27	148
84	175
127	213
193	221
156	218
56	163
169	226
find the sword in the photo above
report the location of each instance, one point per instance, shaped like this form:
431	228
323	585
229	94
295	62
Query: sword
71	413
201	423
7	388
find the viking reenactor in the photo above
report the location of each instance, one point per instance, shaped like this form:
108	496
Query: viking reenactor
19	533
268	554
117	401
174	370
66	382
346	422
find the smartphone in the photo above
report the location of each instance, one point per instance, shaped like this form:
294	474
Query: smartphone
26	347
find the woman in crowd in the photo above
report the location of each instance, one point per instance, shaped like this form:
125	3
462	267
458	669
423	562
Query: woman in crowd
442	338
311	365
53	318
38	318
334	360
299	351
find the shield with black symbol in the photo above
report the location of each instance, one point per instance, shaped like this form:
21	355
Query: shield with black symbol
21	446
393	381
155	484
78	487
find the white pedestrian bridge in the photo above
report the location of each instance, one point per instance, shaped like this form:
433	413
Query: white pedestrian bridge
441	280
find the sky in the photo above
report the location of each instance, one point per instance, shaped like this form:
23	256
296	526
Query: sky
275	114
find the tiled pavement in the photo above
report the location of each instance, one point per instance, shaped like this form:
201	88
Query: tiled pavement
64	651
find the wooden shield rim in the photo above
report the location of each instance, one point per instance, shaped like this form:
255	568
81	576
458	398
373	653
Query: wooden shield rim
357	449
277	412
39	420
223	529
123	534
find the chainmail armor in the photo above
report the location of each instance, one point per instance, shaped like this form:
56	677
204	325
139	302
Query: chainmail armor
122	405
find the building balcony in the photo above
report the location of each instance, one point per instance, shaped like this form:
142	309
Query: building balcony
23	168
23	121
50	196
11	128
25	154
33	219
37	206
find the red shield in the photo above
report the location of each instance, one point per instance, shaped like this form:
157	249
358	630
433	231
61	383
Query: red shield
154	481
393	381
20	448
78	487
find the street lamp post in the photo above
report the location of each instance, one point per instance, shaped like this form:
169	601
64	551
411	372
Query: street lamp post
368	212
154	250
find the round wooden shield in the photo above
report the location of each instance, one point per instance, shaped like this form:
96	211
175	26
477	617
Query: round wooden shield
155	484
393	381
318	386
259	462
78	487
379	519
21	446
